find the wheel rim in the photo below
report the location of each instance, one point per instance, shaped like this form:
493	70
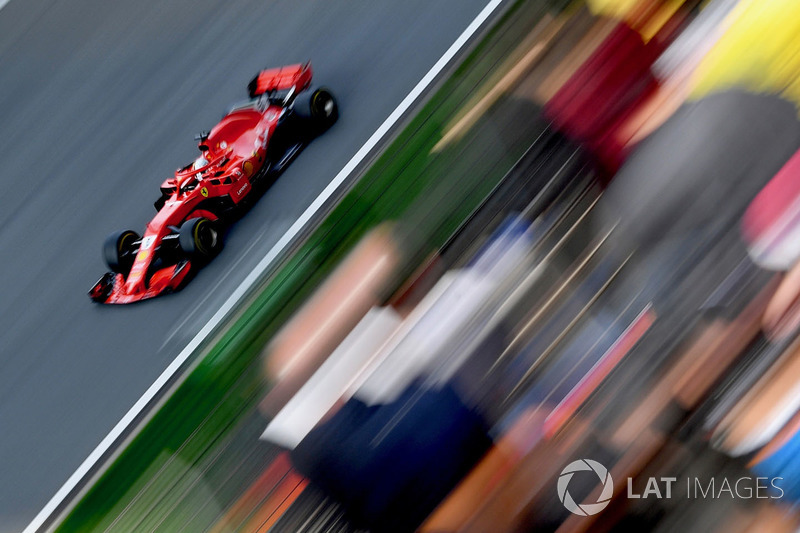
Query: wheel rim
125	256
323	104
123	248
205	237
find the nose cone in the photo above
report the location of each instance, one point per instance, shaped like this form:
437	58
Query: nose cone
136	279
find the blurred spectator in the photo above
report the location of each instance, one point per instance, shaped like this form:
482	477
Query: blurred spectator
394	446
772	227
617	78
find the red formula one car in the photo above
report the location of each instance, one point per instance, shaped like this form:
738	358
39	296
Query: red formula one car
239	158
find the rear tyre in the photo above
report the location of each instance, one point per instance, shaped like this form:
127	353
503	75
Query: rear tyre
119	250
200	239
317	106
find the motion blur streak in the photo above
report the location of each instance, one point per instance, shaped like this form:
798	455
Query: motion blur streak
621	306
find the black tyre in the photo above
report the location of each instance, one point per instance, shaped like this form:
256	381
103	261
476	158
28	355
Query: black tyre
119	250
200	238
318	106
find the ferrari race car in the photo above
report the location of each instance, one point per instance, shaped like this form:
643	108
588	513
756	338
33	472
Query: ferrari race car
239	158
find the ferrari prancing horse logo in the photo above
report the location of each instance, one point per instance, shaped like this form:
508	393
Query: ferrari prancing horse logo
204	192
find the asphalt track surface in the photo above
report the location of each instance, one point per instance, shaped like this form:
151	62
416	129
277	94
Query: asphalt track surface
99	102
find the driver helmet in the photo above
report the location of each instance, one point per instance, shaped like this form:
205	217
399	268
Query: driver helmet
200	162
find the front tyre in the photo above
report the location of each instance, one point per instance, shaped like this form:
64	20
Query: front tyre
318	106
200	239
119	250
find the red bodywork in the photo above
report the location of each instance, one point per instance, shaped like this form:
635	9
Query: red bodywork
236	153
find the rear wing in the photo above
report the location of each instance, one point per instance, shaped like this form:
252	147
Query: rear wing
278	79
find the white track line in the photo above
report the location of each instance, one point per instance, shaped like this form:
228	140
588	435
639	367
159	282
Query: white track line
251	279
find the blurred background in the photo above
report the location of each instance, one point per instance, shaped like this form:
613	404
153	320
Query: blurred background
562	295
